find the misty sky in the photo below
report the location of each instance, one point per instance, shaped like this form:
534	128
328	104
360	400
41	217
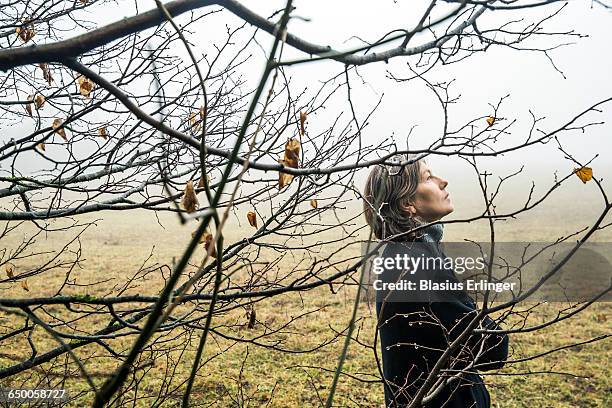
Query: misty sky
528	77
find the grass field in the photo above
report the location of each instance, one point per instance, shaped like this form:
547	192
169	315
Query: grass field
239	374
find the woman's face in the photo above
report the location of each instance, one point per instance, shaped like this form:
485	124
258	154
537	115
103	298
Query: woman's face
431	201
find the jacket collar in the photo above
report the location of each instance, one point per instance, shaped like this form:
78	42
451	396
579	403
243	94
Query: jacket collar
433	233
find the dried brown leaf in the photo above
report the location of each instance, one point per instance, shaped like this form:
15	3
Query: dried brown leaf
194	122
302	123
208	242
252	318
201	181
252	217
291	159
28	106
39	101
190	200
585	174
24	285
57	123
201	240
46	72
292	152
25	33
86	86
284	178
207	239
313	203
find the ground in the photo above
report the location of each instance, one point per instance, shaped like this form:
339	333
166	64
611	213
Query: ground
239	374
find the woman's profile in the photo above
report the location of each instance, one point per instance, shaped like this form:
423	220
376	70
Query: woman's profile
416	331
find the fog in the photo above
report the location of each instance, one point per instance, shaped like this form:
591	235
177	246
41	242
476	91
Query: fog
575	77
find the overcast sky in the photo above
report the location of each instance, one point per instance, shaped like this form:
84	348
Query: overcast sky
528	77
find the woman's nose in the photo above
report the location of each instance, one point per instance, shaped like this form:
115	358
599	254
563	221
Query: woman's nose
443	183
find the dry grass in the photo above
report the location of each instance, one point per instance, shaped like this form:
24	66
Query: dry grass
119	245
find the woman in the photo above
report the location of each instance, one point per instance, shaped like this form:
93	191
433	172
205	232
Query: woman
416	328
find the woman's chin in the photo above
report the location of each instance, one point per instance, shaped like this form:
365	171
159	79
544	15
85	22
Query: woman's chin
449	209
441	214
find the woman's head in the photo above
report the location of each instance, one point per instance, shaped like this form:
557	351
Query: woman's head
397	199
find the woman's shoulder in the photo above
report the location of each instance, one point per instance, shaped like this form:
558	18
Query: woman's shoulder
423	263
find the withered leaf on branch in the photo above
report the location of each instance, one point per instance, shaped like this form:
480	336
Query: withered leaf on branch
201	181
252	318
86	86
39	101
313	203
292	152
24	285
25	32
208	243
46	72
102	133
490	120
291	159
284	178
201	239
28	106
584	173
302	123
190	200
9	271
252	217
60	131
194	122
41	146
207	239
